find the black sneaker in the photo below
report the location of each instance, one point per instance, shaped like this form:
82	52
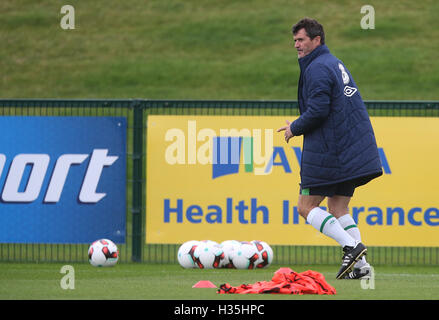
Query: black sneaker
359	273
350	256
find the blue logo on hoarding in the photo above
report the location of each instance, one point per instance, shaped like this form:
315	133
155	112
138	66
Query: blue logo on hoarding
62	179
227	155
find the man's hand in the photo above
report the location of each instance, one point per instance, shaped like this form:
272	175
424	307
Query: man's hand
288	133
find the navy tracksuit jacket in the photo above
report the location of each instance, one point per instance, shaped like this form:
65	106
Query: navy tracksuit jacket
339	143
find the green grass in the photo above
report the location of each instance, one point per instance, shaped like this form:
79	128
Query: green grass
171	282
210	50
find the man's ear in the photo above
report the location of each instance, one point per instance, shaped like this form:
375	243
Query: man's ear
317	40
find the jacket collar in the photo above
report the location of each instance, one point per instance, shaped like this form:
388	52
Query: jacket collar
306	60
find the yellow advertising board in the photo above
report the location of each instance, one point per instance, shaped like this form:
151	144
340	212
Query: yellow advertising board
234	177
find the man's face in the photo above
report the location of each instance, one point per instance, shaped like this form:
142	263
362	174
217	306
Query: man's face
303	44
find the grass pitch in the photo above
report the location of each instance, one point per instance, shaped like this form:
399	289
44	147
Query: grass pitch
42	281
211	49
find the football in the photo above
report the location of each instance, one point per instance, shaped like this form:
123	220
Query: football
265	254
185	254
103	253
210	242
245	256
229	247
208	255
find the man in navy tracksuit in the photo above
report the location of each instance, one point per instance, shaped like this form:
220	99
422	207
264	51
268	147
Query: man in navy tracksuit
339	148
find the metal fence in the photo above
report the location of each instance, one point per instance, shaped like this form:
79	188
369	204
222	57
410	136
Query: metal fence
136	111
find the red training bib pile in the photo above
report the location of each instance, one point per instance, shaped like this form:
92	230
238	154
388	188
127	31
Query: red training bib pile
285	281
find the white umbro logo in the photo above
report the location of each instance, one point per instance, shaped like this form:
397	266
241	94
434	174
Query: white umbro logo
349	91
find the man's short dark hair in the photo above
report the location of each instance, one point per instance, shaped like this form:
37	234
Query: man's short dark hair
312	28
